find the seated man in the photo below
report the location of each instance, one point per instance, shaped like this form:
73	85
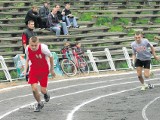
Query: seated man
43	12
54	24
33	15
68	17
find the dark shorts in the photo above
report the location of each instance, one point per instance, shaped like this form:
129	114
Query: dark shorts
144	64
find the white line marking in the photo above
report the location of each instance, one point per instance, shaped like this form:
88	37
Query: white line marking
145	108
101	87
70	79
70	115
65	80
21	96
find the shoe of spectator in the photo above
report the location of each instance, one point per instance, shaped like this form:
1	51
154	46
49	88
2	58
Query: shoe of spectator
77	26
69	27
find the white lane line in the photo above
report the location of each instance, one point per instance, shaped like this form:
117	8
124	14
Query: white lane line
145	108
74	93
70	115
71	79
84	84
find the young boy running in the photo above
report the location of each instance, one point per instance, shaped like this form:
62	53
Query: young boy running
142	57
40	61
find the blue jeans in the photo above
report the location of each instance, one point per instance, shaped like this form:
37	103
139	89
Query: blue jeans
57	29
70	21
64	28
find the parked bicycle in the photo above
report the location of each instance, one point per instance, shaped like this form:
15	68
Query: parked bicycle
72	63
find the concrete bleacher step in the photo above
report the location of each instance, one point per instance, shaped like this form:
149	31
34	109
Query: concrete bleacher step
98	35
7	3
15	33
23	26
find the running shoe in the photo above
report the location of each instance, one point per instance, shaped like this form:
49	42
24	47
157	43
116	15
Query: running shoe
46	97
146	85
39	107
143	88
150	86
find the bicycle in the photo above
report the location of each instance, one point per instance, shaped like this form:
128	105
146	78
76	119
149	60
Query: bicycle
74	63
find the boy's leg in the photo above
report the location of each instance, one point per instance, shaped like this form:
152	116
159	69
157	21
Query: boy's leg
35	92
43	83
139	74
36	95
45	93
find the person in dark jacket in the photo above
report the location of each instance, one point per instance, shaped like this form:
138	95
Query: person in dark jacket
27	34
61	15
43	12
33	15
54	24
68	17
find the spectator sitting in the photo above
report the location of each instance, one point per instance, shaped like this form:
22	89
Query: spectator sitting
68	17
60	14
43	12
33	15
54	24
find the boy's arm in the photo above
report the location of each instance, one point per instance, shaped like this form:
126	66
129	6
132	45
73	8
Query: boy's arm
154	53
52	66
26	67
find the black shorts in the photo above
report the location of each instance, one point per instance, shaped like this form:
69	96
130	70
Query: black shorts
145	64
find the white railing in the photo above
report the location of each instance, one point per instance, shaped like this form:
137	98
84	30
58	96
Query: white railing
5	69
108	59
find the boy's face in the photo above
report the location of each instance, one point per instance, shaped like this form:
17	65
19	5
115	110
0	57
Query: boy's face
138	37
79	45
31	25
33	45
68	6
58	7
35	9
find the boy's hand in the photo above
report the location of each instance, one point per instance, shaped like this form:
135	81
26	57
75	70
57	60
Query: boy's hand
52	73
157	57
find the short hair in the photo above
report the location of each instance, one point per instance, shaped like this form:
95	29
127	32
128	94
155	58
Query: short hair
34	7
30	21
45	2
138	33
56	5
67	3
66	43
34	39
77	43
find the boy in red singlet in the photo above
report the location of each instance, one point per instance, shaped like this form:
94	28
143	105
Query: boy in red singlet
40	62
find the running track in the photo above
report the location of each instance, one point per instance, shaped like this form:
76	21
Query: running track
104	97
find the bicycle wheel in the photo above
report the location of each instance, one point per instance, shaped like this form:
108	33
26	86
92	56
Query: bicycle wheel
83	66
68	67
